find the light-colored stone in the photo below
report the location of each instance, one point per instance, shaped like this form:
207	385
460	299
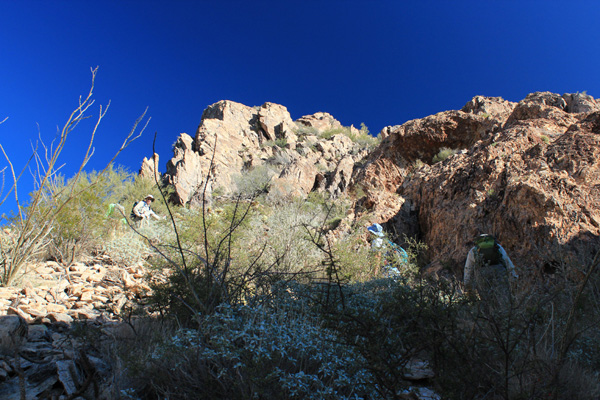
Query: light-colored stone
149	169
416	370
241	138
60	317
86	296
56	308
18	312
34	312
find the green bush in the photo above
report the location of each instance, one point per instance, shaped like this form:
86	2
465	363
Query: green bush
443	154
86	223
254	181
34	223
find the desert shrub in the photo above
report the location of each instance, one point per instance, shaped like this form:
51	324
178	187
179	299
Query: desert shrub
363	138
305	130
207	261
360	137
238	251
254	352
418	163
328	134
545	139
86	223
126	247
514	350
443	154
281	143
253	181
34	223
386	322
281	232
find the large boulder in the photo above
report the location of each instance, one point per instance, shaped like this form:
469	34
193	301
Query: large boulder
13	333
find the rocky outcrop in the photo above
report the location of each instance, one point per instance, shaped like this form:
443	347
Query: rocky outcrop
526	172
149	168
233	138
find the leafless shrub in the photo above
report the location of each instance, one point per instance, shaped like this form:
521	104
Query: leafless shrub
34	222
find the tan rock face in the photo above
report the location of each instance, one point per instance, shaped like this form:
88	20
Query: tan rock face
149	169
241	137
320	121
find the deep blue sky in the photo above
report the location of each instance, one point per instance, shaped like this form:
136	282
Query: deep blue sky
377	62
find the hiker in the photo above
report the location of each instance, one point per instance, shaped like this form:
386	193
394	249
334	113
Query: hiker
143	212
488	269
383	247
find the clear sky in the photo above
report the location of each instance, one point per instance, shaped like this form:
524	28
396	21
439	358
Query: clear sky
375	62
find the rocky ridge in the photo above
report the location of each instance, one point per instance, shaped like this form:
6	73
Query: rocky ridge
525	172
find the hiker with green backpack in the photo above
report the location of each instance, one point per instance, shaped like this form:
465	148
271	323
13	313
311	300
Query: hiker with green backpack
488	268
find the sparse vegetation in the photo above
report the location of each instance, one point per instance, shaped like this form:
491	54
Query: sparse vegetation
418	163
281	143
443	154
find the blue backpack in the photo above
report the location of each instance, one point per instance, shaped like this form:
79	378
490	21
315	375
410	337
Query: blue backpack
399	252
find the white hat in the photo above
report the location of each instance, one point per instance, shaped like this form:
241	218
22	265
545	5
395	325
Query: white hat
149	197
376	230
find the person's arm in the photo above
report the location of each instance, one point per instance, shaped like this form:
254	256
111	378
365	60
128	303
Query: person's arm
152	214
469	264
508	263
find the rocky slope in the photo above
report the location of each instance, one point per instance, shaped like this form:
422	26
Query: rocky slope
47	320
526	172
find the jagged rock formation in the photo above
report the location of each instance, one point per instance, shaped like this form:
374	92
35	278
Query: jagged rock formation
149	168
526	172
233	138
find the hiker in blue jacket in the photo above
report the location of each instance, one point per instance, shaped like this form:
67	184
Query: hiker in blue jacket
388	250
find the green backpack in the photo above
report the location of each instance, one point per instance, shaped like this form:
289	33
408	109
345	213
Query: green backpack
487	250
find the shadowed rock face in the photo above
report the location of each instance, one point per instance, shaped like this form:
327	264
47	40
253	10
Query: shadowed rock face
527	173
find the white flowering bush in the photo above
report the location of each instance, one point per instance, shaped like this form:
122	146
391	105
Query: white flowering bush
387	322
256	352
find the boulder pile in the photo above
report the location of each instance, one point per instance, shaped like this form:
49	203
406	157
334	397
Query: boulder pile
40	322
